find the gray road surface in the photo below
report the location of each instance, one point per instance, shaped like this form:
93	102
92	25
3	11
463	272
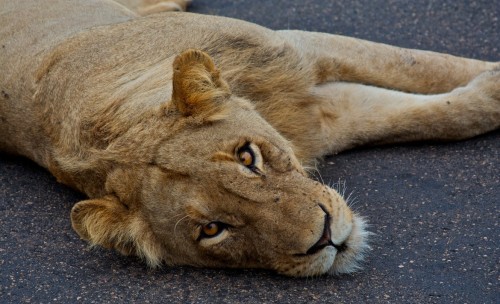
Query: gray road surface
434	207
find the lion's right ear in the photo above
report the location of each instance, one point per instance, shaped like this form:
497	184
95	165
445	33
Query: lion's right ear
198	88
109	223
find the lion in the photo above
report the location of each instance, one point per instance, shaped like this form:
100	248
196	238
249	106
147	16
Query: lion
192	135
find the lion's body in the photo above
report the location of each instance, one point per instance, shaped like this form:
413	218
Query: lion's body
89	91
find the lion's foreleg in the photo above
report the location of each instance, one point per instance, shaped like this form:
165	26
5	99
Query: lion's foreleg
355	114
339	58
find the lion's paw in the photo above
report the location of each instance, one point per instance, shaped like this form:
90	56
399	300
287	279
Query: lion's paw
151	7
488	84
483	96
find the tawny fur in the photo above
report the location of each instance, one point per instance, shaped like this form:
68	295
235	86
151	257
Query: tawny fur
146	7
147	115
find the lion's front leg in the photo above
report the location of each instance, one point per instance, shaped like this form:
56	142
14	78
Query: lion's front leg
339	58
354	114
146	7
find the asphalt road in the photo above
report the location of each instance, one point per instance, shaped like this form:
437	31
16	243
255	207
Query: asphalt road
433	207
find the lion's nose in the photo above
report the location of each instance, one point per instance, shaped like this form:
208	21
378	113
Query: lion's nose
326	237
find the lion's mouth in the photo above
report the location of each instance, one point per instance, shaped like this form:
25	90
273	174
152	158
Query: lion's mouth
347	256
326	238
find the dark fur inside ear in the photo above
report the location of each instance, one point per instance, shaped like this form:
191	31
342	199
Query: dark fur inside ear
108	223
198	88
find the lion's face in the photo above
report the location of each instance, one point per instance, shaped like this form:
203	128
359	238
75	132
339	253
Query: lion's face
226	190
234	195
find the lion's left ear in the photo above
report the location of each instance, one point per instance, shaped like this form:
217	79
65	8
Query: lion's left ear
109	223
198	88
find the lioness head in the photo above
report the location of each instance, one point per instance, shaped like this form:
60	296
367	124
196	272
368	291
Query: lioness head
224	190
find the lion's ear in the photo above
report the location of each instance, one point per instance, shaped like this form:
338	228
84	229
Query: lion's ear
109	223
198	88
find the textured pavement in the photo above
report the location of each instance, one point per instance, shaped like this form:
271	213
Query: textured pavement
433	207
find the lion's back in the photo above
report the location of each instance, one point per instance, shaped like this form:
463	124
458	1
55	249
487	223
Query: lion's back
30	29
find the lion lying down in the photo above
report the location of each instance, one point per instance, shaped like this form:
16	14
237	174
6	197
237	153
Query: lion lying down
189	133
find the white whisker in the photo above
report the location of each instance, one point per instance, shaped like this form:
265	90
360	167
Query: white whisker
175	227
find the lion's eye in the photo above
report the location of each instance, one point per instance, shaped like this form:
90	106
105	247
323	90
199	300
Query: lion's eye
211	229
249	156
246	156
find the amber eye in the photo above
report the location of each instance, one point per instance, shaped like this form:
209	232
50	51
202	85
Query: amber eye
246	156
211	229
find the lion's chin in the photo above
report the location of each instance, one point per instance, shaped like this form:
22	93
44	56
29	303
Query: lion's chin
349	260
